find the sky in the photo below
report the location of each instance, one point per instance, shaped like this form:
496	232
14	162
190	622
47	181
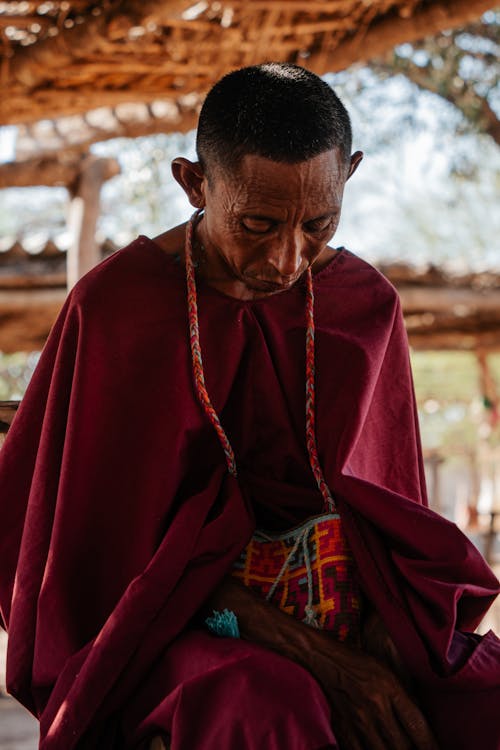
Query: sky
7	143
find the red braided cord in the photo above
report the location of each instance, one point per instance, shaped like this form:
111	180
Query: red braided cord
312	448
199	377
194	338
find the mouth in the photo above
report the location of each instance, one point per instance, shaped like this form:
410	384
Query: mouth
265	285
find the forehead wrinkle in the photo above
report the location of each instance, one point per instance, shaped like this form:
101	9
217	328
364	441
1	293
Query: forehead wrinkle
256	189
231	194
304	187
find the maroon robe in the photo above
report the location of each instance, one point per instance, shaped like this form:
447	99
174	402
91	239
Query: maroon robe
118	516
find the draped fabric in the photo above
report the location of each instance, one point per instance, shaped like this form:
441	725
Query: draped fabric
118	517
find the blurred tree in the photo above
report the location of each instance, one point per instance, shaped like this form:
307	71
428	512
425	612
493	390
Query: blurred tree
15	373
462	66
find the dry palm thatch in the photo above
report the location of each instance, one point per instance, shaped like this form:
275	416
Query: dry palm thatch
69	56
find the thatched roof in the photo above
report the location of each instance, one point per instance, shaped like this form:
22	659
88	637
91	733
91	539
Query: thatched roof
66	57
441	311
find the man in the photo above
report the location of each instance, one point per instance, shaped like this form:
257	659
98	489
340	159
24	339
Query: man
165	422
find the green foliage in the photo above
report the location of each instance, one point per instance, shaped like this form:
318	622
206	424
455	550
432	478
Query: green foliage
461	66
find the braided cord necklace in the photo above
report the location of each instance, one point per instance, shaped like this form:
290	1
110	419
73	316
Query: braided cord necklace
199	375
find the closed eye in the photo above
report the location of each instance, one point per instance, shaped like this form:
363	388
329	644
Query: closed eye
257	226
316	226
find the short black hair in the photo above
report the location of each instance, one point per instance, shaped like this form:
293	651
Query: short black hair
276	110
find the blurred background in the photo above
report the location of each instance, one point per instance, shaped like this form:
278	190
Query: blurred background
97	98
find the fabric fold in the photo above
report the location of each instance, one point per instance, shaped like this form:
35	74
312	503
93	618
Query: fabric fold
119	518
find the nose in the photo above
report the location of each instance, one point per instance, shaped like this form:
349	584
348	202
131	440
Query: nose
287	256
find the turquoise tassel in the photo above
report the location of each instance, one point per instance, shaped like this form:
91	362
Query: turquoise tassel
224	624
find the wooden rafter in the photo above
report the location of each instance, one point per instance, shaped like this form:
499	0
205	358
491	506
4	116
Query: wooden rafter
460	301
7	413
67	138
51	171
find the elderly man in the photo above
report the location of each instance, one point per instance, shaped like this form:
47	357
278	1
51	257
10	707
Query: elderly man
212	497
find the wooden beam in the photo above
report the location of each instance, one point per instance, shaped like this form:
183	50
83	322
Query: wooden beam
50	171
48	102
456	341
13	301
178	119
460	301
8	411
27	317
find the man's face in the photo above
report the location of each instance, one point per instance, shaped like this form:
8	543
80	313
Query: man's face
268	221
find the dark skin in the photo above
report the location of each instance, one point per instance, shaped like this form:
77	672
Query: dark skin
264	224
371	710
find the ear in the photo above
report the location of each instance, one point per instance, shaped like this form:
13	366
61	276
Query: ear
354	163
191	178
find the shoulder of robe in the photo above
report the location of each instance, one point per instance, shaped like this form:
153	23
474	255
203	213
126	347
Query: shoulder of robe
132	281
362	272
358	285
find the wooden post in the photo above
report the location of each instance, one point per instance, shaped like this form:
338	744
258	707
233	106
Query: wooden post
83	254
474	489
491	535
434	461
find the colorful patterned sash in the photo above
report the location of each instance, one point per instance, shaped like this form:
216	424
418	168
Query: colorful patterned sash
307	572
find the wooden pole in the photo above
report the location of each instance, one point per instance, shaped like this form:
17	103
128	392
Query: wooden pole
83	254
434	462
474	488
